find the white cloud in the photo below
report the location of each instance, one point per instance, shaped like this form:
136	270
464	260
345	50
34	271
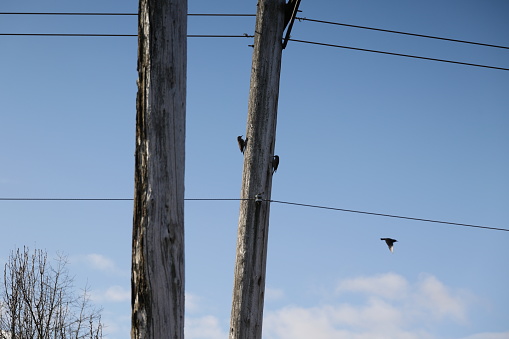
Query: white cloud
336	322
272	294
114	293
489	335
117	293
192	303
389	285
390	308
439	301
206	327
101	263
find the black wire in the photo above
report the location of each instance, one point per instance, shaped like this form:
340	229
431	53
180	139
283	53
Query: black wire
251	36
65	199
61	13
404	33
216	199
390	215
120	35
253	15
220	14
127	14
69	34
112	199
274	201
399	54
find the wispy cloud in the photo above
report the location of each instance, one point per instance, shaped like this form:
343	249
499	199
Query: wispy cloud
389	285
439	301
101	263
117	293
376	321
207	327
114	293
192	303
390	307
272	294
488	335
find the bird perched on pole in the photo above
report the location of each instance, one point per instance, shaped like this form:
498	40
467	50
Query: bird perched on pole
275	163
242	143
390	242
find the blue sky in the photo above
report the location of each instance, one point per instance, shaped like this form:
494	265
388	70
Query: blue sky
356	130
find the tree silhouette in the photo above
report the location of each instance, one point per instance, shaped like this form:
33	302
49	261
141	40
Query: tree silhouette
38	301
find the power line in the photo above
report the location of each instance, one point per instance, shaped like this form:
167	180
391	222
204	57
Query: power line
63	13
69	34
112	199
271	201
254	15
66	199
251	36
404	33
389	215
122	14
399	54
119	35
220	14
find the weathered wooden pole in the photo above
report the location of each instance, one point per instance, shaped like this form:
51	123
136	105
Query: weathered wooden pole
157	278
249	280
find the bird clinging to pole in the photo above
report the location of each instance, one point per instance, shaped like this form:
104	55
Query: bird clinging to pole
242	143
275	163
390	242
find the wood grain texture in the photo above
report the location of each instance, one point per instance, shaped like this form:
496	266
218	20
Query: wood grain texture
250	265
158	224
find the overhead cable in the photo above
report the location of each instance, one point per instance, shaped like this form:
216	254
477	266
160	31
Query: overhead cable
251	36
254	15
403	33
271	201
389	215
120	14
399	54
120	35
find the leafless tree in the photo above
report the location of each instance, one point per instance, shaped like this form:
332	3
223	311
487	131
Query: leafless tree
38	301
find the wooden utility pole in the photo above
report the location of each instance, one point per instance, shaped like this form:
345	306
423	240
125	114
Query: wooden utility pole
249	280
157	280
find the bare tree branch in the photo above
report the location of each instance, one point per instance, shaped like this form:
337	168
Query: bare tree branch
37	300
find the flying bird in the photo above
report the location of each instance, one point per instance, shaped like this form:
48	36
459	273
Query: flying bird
242	143
275	163
390	242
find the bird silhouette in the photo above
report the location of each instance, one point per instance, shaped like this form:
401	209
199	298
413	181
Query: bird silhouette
242	143
390	242
275	163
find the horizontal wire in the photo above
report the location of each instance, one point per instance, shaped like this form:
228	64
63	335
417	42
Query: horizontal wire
271	201
120	35
65	199
110	199
389	215
64	13
68	34
251	36
404	33
254	15
399	54
126	14
217	199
